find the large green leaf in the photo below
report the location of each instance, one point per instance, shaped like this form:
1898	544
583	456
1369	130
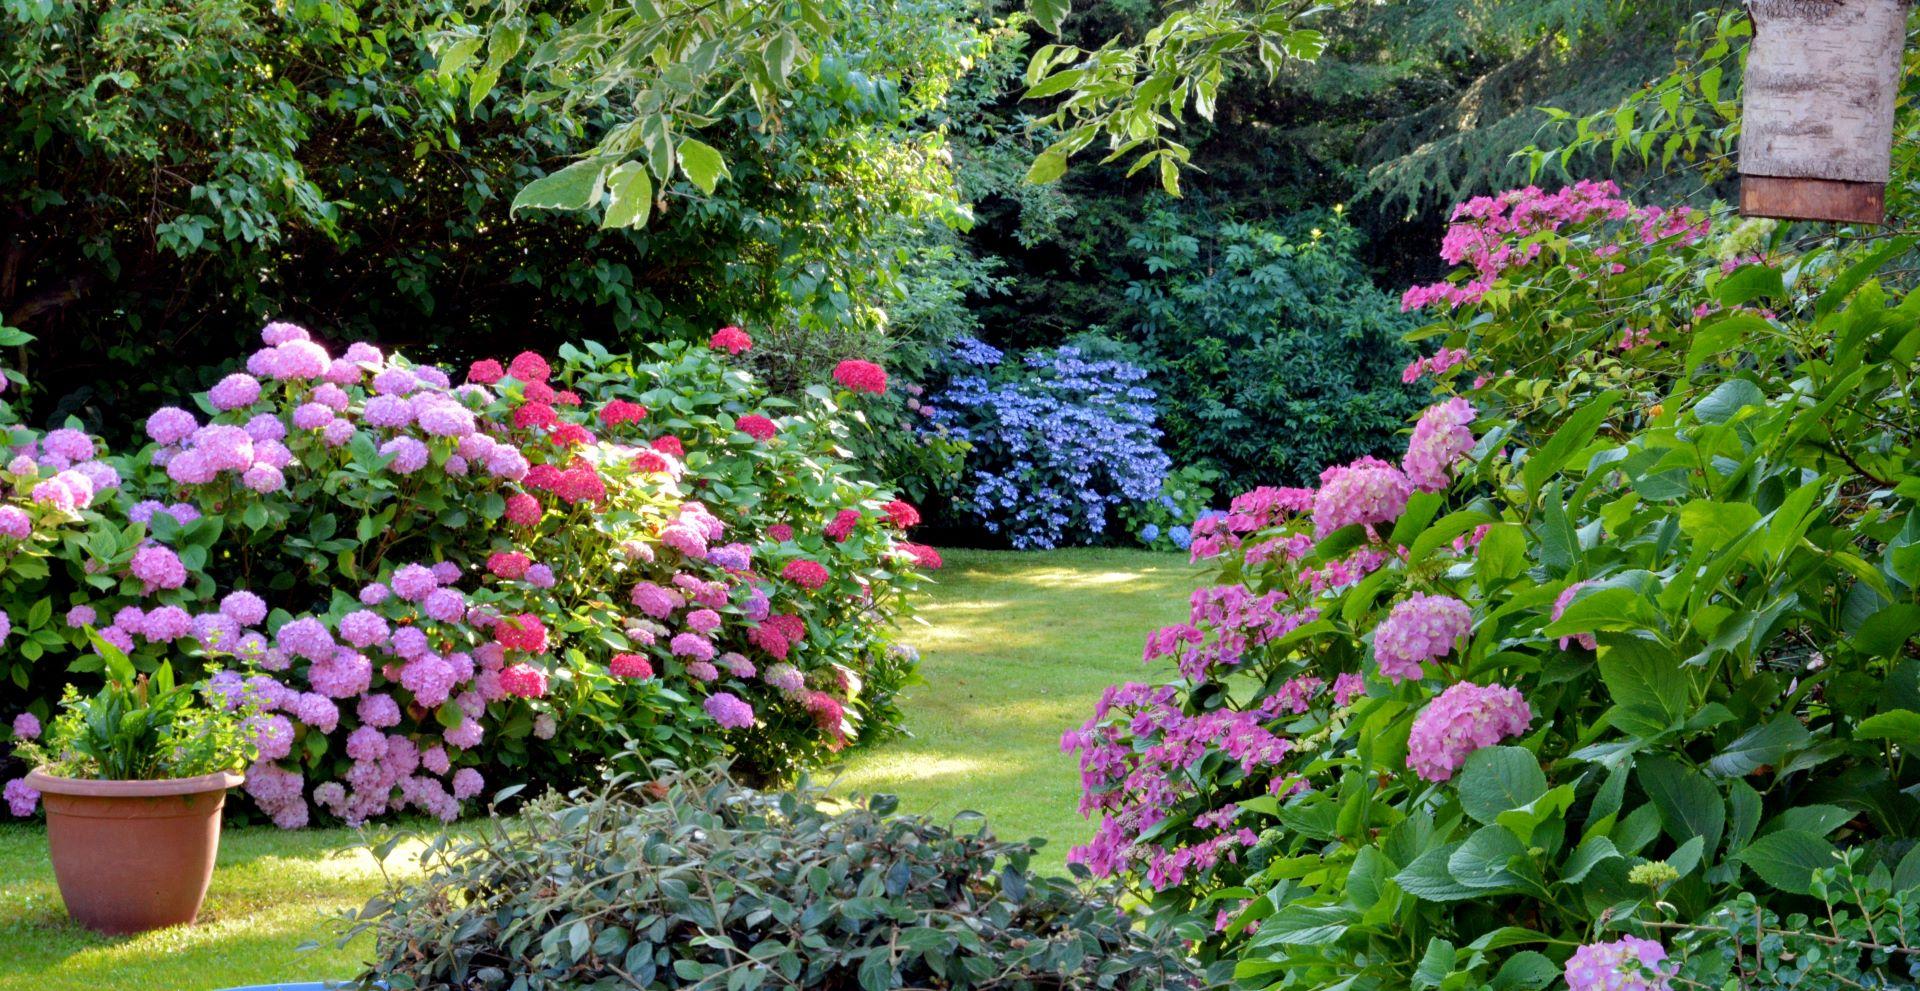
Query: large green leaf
1495	779
575	187
1788	858
1689	804
1763	745
702	163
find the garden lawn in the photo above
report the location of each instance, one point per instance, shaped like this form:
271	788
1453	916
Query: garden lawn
1018	648
271	893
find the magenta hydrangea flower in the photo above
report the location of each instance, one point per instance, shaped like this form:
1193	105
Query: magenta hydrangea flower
1560	604
15	523
395	382
263	427
410	454
379	711
263	478
312	416
171	425
21	798
1439	439
1422	628
467	783
272	734
80	616
703	620
338	432
1629	963
523	680
244	607
71	445
1464	718
342	675
363	628
280	332
1368	491
693	645
727	710
299	360
307	637
446	419
391	412
159	567
168	623
445	605
374	594
26	726
413	582
235	391
466	736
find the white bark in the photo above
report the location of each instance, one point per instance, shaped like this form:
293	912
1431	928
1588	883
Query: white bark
1820	85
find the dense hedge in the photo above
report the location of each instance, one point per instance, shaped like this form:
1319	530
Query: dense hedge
1617	655
420	583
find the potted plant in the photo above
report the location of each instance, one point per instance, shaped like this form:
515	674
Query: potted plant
133	780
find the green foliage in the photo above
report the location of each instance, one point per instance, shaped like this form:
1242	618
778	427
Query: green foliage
174	174
698	882
1680	531
139	727
1273	353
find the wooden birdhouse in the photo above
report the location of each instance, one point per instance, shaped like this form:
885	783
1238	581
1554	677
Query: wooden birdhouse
1816	133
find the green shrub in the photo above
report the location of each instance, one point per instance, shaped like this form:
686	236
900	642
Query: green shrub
1628	631
1273	352
702	883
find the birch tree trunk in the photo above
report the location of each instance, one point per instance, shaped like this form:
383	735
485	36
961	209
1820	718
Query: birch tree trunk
1817	121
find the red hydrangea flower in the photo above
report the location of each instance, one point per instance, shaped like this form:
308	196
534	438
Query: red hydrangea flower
566	397
523	632
861	376
766	637
531	415
485	372
732	340
539	392
670	445
619	411
780	532
790	626
828	714
756	426
924	556
902	515
649	461
543	477
523	509
580	483
529	367
842	526
630	666
569	434
523	680
509	564
806	574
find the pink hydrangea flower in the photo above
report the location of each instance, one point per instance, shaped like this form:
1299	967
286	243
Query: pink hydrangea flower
21	798
730	339
1368	491
861	376
1422	628
1439	439
810	575
523	680
26	726
1629	963
1464	718
727	710
1560	604
158	567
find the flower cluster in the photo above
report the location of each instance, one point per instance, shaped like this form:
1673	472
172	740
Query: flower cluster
379	683
1463	719
1629	963
1059	443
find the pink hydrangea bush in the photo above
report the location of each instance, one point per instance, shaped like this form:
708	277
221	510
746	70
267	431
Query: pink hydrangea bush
1465	713
429	584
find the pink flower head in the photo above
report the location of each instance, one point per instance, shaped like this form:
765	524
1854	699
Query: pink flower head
523	680
727	710
485	372
235	391
1560	604
861	376
524	632
529	367
809	575
619	411
21	798
1368	491
902	515
730	339
1422	628
1464	718
1625	964
159	567
170	425
1439	439
756	426
630	666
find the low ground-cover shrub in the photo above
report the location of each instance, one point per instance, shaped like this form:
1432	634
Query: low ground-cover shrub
418	584
1059	442
1621	642
701	883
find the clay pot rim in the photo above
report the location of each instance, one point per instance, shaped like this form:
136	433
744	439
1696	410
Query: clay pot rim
40	780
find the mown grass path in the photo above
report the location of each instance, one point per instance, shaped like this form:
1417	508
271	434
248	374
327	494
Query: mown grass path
1017	649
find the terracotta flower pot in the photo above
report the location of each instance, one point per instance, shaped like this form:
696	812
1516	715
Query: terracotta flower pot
133	855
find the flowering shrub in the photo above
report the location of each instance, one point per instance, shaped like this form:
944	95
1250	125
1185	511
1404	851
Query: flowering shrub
1059	442
418	585
1620	645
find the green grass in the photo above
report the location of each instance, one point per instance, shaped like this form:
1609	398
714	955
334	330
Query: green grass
1018	649
272	891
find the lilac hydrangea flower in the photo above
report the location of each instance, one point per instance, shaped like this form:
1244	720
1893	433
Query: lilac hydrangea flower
1422	628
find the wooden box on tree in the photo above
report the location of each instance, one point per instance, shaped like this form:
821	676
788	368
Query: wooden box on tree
1816	132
